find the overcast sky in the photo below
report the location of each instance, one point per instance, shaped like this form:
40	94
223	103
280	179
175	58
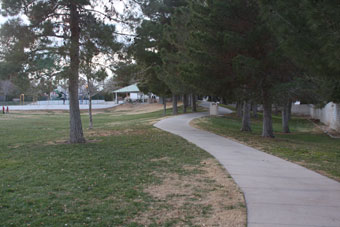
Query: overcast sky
2	19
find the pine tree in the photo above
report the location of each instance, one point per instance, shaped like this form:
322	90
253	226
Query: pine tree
58	27
151	44
145	52
235	55
308	33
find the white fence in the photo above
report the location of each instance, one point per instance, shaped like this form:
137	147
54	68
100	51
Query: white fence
60	102
329	115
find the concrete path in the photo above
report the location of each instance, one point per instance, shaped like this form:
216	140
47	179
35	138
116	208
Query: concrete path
278	193
61	106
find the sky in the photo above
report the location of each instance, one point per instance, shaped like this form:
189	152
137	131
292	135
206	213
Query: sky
119	7
2	19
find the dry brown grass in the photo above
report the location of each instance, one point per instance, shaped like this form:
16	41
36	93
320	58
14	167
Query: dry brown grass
208	196
38	112
139	108
104	133
128	108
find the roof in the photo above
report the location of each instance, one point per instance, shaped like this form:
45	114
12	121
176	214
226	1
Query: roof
129	89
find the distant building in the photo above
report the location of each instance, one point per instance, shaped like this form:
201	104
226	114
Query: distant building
132	93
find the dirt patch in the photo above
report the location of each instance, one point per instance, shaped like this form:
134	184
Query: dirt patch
208	197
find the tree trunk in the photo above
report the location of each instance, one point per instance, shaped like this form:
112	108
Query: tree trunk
164	105
76	130
90	112
285	117
193	103
185	103
224	101
290	102
174	105
239	108
254	109
246	117
150	100
90	104
267	130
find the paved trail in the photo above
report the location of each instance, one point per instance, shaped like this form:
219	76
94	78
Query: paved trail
278	193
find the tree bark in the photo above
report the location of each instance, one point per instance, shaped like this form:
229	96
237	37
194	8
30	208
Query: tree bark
189	100
285	117
193	103
164	105
149	98
185	103
224	101
267	130
239	108
290	102
76	130
254	109
90	104
246	117
90	112
174	104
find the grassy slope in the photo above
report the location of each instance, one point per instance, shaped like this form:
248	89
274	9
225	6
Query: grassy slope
50	183
305	145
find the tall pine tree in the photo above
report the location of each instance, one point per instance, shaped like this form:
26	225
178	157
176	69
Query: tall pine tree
58	27
308	32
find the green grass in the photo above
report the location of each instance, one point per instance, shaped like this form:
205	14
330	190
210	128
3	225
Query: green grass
49	183
228	106
304	145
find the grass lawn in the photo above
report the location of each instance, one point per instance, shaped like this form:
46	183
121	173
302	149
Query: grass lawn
128	174
305	145
228	106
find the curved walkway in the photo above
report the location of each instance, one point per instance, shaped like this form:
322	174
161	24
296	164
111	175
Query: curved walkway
277	192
